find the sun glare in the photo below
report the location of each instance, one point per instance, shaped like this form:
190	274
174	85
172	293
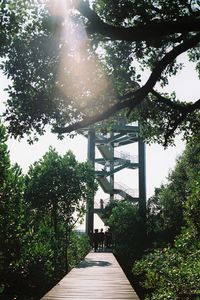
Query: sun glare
80	76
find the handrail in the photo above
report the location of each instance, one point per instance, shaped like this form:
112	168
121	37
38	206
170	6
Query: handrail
126	156
97	202
126	189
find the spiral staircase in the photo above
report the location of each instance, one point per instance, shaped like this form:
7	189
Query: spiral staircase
104	154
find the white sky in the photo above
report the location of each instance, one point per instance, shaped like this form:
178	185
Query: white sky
158	160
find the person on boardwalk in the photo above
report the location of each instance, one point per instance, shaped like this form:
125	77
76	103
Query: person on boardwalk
101	204
95	240
101	240
108	238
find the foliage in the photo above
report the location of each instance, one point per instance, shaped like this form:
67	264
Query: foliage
125	225
33	77
36	259
5	162
11	193
14	14
79	247
108	209
166	207
192	206
65	81
37	255
32	256
173	272
59	186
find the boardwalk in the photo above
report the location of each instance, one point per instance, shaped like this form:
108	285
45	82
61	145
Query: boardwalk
98	277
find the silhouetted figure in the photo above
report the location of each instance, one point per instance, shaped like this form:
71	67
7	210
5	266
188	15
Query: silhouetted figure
101	240
108	238
95	240
101	203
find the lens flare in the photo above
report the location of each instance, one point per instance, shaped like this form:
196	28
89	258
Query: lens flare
81	78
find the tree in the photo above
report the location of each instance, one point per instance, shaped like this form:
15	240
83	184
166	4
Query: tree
192	206
167	206
125	224
172	271
128	239
68	87
59	186
11	195
11	212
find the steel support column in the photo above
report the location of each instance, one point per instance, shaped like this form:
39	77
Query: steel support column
142	184
112	167
90	202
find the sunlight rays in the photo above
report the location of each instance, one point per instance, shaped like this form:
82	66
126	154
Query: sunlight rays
80	76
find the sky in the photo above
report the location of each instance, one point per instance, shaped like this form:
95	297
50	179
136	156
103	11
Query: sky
159	161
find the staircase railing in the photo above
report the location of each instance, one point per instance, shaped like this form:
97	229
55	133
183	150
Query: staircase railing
98	203
126	156
126	190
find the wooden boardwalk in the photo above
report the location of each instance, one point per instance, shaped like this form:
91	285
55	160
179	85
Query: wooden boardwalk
98	277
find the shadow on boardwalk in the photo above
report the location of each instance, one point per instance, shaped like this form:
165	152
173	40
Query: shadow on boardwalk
93	263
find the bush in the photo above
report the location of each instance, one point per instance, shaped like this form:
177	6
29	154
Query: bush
78	248
125	224
37	252
172	273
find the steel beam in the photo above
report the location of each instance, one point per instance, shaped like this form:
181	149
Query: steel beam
90	201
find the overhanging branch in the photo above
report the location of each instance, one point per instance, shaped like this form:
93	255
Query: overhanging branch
161	65
168	102
182	107
184	112
143	32
174	126
100	117
168	59
132	99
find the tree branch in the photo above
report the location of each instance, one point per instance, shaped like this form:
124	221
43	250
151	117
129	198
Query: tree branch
132	99
168	102
194	106
142	32
100	117
161	65
186	107
177	122
169	58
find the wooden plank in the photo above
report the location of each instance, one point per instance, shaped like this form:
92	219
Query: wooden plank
98	277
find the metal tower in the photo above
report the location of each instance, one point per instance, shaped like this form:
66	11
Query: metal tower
112	161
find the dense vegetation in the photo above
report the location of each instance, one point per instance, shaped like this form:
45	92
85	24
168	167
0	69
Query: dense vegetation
37	217
174	233
170	266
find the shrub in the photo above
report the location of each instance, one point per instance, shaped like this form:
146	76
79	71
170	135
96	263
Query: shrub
172	272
